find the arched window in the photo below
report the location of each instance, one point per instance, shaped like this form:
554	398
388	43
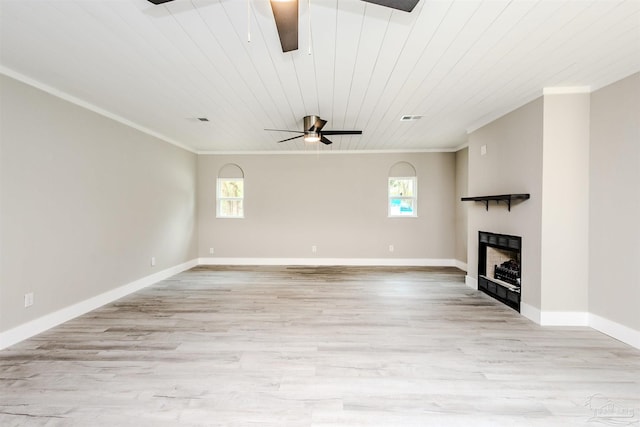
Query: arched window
402	190
230	192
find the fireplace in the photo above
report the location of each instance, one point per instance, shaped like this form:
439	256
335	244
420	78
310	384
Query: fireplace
499	267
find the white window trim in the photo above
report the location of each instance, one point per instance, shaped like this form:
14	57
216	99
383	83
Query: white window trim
414	198
219	198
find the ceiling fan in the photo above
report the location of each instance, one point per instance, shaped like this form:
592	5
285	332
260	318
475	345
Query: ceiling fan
313	131
285	13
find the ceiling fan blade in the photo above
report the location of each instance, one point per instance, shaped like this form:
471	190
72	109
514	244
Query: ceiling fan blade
159	1
319	124
342	132
325	140
289	139
285	130
404	5
285	14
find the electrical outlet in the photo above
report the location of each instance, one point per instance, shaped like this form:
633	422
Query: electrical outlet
483	150
391	248
314	249
211	251
28	299
153	261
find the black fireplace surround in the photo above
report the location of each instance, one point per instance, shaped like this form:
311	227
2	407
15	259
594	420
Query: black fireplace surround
499	267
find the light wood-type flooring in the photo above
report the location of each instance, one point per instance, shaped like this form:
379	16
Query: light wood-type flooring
325	346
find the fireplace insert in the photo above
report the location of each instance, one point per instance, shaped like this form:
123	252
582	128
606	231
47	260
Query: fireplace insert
499	267
508	271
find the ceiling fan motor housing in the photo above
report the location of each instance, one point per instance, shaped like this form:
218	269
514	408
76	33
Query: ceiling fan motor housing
312	126
312	131
309	123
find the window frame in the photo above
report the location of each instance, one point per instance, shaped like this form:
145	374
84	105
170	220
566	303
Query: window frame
413	198
220	198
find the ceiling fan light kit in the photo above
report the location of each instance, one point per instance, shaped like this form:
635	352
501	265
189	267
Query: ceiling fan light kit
312	137
313	132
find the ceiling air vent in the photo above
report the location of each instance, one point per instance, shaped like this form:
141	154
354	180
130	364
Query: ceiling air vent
409	118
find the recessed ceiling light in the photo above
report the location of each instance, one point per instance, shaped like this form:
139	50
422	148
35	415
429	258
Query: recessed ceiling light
203	119
409	118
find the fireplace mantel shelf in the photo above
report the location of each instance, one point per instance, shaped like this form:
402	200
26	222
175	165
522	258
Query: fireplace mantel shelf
507	198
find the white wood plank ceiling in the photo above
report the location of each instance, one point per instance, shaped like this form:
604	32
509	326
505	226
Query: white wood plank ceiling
456	63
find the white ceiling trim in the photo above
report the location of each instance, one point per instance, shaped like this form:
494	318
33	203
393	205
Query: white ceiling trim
564	90
94	108
327	152
493	117
461	147
91	107
568	90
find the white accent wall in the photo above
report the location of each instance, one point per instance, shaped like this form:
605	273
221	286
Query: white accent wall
565	203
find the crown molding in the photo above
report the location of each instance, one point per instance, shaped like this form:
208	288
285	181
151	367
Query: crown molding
110	115
89	106
566	90
545	91
461	146
324	152
489	118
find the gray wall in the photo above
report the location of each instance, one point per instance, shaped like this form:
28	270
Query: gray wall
614	222
462	190
512	164
337	202
85	202
578	155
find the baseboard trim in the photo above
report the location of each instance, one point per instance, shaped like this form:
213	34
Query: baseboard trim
48	321
461	265
554	318
471	282
564	318
530	312
615	330
367	262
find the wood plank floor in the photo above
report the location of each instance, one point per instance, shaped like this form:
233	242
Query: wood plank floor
326	346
